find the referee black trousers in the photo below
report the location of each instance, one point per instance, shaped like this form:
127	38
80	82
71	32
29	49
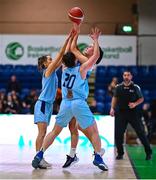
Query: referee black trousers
122	118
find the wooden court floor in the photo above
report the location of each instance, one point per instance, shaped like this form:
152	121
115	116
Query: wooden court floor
15	163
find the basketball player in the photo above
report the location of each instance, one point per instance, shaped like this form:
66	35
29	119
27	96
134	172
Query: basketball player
88	52
44	105
74	92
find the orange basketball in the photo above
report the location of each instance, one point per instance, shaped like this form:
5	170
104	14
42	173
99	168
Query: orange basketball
76	15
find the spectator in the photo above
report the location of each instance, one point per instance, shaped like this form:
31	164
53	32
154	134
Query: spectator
11	107
3	101
1	108
29	102
17	102
13	85
112	85
93	107
153	118
146	116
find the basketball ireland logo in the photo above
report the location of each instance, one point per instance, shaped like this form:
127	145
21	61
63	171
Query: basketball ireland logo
14	51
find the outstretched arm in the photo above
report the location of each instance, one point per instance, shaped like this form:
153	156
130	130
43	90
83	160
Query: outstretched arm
92	60
57	61
74	48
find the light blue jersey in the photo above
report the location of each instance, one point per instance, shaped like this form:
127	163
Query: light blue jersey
74	93
73	86
44	106
49	87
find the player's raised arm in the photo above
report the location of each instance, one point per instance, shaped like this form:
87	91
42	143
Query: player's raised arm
57	61
74	49
96	53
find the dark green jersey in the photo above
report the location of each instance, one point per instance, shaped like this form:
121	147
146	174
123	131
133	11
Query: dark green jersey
127	94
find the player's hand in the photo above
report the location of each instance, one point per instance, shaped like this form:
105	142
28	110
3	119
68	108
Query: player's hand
112	112
95	33
132	105
71	33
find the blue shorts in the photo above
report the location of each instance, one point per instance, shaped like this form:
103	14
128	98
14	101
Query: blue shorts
42	112
75	108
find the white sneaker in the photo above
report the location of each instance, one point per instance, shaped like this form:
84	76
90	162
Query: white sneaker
44	164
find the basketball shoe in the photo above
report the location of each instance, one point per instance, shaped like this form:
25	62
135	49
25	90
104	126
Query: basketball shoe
98	161
70	161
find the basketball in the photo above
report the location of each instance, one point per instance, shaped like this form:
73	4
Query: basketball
76	15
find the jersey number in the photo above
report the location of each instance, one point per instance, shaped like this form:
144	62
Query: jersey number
69	81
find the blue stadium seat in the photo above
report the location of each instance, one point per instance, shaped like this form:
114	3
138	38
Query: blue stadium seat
121	69
24	92
100	92
108	99
19	69
145	92
152	93
112	71
152	71
107	108
8	66
143	71
100	107
100	71
3	90
99	98
30	69
133	69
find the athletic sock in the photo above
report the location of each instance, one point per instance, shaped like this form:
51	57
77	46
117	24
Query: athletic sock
72	152
40	154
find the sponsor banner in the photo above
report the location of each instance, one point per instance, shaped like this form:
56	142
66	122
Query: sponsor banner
23	131
25	49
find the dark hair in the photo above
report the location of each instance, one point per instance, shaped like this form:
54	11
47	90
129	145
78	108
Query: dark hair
41	61
127	70
101	55
69	59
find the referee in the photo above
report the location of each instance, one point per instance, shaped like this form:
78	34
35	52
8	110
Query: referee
127	96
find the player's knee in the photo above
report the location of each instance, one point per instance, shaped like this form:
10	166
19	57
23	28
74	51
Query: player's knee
41	134
56	132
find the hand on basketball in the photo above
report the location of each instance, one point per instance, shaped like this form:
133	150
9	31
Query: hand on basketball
95	33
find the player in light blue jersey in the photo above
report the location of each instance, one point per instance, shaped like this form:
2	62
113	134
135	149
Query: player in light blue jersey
82	57
75	92
44	105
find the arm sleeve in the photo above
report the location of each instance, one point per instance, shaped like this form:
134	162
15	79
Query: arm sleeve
116	92
138	91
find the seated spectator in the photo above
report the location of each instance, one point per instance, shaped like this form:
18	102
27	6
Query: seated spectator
112	85
16	100
13	85
11	107
146	116
1	108
153	118
29	102
3	101
93	107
